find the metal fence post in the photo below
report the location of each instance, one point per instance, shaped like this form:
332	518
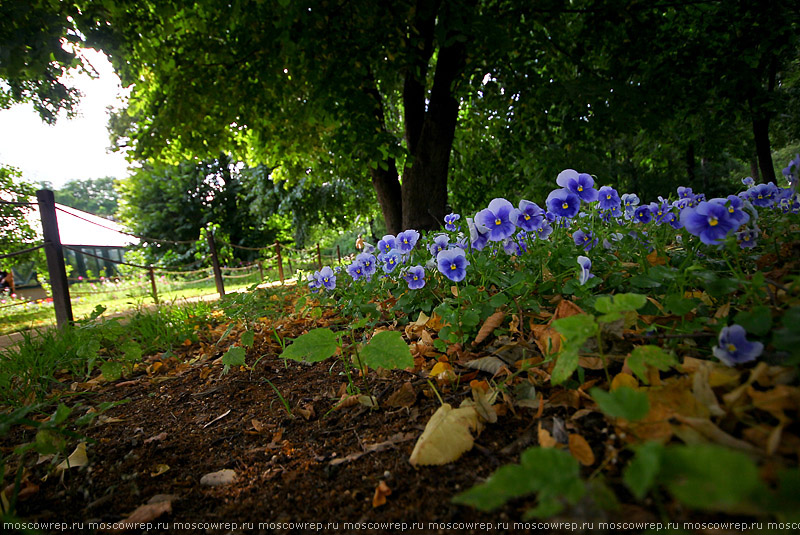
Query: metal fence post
55	257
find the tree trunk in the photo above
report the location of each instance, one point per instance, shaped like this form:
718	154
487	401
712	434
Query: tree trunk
430	132
754	174
763	151
387	189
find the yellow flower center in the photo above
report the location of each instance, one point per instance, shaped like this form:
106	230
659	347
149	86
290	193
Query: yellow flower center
608	197
731	348
580	188
527	217
326	279
760	196
565	206
713	221
498	222
746	238
731	209
452	266
416	278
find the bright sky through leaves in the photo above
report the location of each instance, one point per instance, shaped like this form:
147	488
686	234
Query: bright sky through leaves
72	149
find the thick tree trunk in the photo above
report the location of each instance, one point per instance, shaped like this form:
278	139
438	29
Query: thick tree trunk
387	189
754	174
763	150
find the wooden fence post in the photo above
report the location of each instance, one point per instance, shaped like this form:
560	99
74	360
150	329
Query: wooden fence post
153	284
215	262
339	254
55	257
261	270
280	260
319	257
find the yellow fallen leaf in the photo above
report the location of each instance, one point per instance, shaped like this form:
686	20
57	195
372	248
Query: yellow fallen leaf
446	437
381	492
581	450
160	469
76	459
443	372
624	379
546	440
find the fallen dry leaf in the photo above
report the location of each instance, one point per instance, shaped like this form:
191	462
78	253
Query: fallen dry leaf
446	436
405	396
492	322
581	450
160	469
76	459
144	514
546	440
381	492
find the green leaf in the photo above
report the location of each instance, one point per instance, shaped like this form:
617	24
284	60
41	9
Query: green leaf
652	355
247	338
132	351
577	327
314	346
705	476
757	321
640	475
566	363
678	305
387	350
112	370
624	402
47	442
553	473
234	356
498	300
606	304
61	414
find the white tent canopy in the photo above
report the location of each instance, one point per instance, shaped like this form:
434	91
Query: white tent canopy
79	228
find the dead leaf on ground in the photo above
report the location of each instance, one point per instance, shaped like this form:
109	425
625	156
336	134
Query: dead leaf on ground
446	437
381	492
405	396
492	365
156	438
581	450
76	459
546	440
492	322
145	513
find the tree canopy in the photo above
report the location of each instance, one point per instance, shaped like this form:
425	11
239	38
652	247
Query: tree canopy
16	232
444	100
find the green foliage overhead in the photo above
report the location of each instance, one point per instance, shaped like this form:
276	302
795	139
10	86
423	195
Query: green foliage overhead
16	231
96	196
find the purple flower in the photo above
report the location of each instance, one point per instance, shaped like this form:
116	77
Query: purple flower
585	265
748	181
581	184
530	215
734	348
326	278
544	230
386	244
391	260
792	170
452	263
747	237
629	202
642	214
662	212
563	203
450	222
584	239
511	247
608	198
355	270
313	282
710	221
477	236
440	243
406	240
685	193
498	219
368	263
735	207
415	277
763	195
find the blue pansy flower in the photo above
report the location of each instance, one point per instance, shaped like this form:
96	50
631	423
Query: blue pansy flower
642	214
735	207
452	263
355	270
763	195
477	235
391	260
386	244
734	348
581	184
711	222
498	219
544	230
530	215
326	278
585	267
608	198
662	211
440	243
450	222
368	263
406	241
747	237
748	181
584	239
563	203
415	277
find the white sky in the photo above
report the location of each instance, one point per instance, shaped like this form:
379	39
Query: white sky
72	148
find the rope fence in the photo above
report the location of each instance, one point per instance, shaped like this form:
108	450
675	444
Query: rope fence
167	279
